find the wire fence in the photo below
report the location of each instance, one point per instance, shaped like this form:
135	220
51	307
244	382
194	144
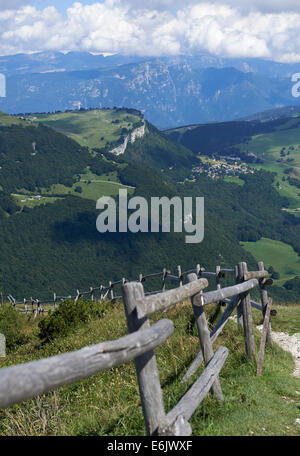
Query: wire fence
102	292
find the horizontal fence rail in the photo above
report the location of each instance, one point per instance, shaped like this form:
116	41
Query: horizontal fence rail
150	304
25	381
222	293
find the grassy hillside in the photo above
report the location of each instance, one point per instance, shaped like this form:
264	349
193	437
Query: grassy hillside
95	128
275	143
270	148
108	404
6	120
91	186
277	254
273	146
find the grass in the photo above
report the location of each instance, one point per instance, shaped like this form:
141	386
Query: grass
281	256
7	120
108	403
92	128
234	179
287	320
92	187
286	190
28	201
268	147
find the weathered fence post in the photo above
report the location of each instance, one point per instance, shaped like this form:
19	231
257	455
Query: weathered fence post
179	275
205	340
264	301
239	309
2	346
263	338
218	282
145	365
111	290
38	306
219	304
92	293
164	276
247	317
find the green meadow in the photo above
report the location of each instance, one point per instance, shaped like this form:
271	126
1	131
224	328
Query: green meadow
268	147
7	121
29	201
90	186
93	128
234	179
282	257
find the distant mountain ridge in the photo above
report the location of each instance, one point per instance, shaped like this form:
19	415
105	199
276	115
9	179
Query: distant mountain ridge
169	91
48	61
273	114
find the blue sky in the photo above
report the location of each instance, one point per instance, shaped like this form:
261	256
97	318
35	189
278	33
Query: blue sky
60	5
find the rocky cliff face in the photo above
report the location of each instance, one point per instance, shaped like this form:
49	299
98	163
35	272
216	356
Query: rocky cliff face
130	138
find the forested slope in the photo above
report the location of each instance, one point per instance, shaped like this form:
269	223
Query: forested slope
56	247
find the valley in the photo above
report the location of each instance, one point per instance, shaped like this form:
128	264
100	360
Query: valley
63	170
270	145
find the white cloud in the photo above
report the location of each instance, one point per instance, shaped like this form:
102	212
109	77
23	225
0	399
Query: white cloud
115	26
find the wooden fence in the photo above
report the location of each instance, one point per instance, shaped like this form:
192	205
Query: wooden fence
25	381
36	305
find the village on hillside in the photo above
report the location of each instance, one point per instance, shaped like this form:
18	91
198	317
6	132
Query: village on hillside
216	168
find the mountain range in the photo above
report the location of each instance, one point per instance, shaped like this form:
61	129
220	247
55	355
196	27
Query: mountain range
169	91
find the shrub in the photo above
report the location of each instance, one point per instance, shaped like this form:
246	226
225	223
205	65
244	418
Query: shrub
12	325
67	317
275	275
293	284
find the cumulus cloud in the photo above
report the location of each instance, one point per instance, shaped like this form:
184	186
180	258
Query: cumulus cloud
219	28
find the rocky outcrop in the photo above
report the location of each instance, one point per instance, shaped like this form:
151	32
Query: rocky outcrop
131	137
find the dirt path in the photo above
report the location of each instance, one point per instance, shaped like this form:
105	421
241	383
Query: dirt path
288	343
